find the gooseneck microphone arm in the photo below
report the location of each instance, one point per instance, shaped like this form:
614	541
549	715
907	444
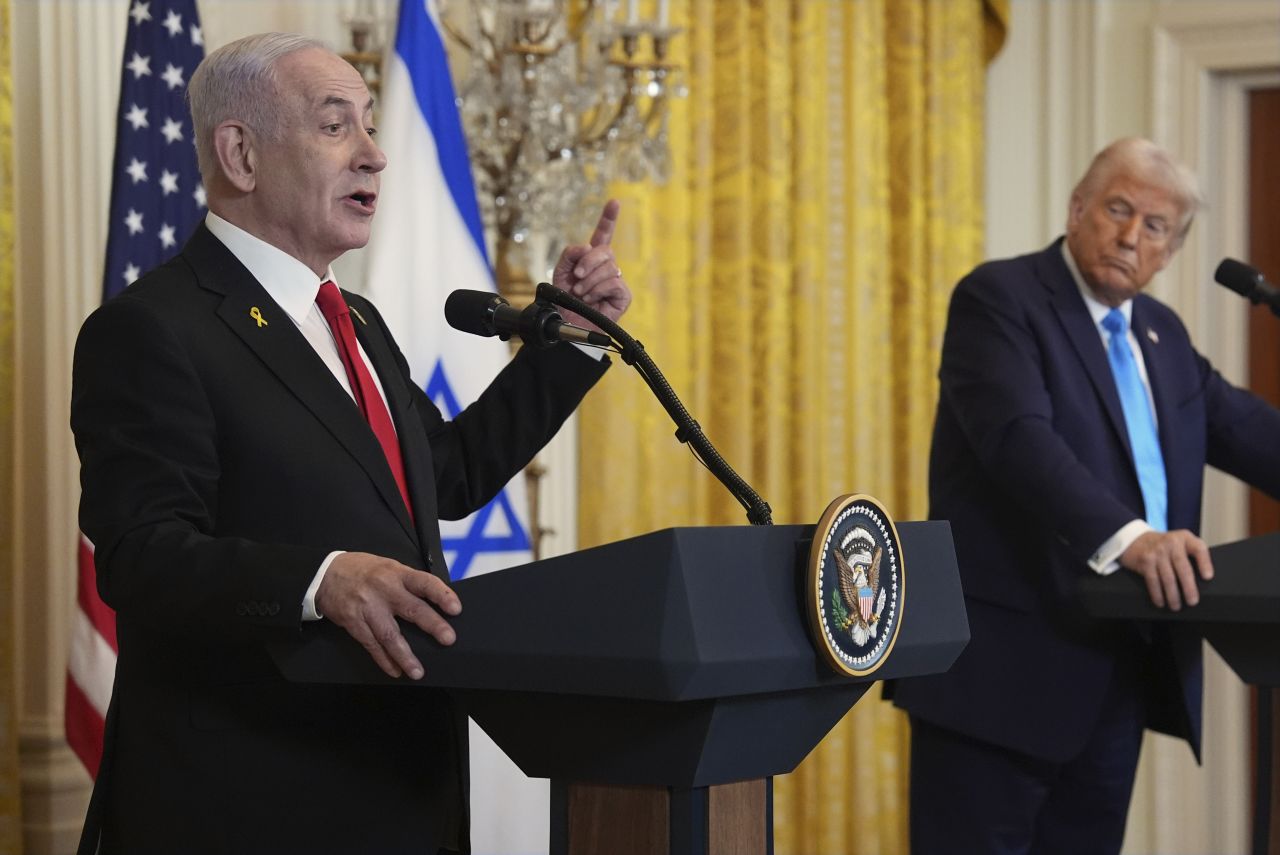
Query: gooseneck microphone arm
688	430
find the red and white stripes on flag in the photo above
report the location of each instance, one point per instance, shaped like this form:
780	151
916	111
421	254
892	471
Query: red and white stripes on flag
91	668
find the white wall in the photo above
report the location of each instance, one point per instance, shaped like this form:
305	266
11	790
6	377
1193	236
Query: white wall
1072	77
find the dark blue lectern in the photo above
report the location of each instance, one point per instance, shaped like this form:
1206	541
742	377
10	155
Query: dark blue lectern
661	681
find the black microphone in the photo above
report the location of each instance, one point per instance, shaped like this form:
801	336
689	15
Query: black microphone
538	325
1248	282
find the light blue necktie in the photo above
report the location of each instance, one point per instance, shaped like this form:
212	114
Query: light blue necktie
1139	421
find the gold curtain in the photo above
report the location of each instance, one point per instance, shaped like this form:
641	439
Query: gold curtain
791	280
10	809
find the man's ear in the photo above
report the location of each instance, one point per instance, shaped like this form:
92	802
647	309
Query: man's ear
1075	211
234	145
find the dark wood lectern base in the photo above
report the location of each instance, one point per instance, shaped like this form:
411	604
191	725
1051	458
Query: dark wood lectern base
1266	773
727	819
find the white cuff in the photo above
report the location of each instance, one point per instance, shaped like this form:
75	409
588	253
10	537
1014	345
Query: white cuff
309	600
1106	560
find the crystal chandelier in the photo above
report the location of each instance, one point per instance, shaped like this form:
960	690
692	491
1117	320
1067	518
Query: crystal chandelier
558	98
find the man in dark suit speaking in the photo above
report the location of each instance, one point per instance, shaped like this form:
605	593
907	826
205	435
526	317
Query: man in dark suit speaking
254	455
1074	423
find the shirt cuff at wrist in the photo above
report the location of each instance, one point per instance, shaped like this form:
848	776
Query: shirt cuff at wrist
309	600
1106	560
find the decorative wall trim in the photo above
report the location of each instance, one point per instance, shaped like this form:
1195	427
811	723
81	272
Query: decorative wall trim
55	789
1204	59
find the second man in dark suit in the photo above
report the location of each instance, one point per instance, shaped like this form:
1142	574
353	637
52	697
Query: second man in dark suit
1075	419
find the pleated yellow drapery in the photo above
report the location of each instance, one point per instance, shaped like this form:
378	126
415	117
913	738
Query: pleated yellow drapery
10	792
791	280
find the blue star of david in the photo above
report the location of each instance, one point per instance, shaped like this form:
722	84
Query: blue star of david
476	541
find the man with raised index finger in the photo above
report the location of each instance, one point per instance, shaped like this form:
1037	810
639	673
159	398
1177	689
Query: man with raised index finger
254	455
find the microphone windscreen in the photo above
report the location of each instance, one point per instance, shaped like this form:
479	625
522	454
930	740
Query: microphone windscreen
472	311
1237	276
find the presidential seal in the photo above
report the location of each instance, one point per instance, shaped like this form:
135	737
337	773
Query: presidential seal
856	582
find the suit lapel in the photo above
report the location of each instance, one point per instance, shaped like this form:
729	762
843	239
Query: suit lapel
287	354
1085	339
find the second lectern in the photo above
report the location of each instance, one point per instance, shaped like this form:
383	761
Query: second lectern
1239	614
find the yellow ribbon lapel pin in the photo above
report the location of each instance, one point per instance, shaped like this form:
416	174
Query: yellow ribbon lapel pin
256	314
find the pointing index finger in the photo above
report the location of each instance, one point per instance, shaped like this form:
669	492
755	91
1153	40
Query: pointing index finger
608	220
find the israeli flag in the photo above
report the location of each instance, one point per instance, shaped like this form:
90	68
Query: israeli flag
427	241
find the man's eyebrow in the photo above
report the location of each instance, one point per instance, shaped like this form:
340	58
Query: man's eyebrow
339	101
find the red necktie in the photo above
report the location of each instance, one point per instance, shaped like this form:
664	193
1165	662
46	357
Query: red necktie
371	404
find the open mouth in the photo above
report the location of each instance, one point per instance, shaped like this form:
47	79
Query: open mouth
364	200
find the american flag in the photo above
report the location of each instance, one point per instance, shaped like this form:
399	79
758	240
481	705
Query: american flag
156	201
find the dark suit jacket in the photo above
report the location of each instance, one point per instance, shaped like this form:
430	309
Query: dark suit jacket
1031	464
220	463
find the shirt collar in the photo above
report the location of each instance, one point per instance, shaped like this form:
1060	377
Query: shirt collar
1097	309
286	279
